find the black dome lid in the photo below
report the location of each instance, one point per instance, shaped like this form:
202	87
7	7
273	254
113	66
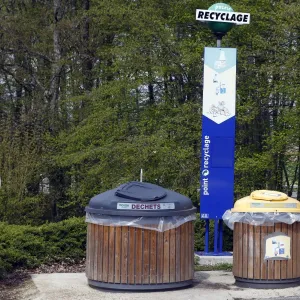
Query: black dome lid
140	191
140	199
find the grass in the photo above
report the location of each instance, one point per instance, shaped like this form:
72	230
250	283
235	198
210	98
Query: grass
218	267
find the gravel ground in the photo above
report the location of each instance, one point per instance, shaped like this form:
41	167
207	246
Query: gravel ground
208	285
68	282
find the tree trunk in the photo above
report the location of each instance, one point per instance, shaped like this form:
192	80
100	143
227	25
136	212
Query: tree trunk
87	64
56	65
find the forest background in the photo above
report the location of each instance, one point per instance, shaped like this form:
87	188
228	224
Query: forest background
92	91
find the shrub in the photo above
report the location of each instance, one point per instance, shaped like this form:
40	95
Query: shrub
29	246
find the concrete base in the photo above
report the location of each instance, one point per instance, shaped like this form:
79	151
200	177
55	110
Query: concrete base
213	260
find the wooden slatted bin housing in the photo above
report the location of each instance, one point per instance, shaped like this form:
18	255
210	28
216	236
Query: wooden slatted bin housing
128	257
250	266
266	254
154	252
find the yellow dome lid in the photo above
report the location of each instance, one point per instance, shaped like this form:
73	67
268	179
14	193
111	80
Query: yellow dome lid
268	195
267	201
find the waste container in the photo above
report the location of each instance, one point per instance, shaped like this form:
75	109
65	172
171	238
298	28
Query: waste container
140	237
266	240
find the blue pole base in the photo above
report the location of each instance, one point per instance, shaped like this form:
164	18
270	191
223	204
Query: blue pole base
203	253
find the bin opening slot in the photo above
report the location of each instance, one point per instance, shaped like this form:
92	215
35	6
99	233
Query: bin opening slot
141	191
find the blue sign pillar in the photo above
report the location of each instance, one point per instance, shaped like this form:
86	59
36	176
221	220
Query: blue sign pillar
218	139
218	125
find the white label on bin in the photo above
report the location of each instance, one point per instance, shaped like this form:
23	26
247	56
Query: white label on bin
277	246
146	206
273	205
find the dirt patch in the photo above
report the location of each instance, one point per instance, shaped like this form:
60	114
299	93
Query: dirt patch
10	286
63	267
18	285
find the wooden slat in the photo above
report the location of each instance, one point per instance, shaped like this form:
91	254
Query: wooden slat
183	252
298	249
191	243
131	255
193	249
264	263
245	250
124	255
271	263
237	251
283	271
241	251
146	256
257	253
290	261
277	263
138	255
118	251
105	253
172	255
96	257
166	258
153	262
92	251
250	251
294	249
178	253
88	251
100	253
111	254
188	247
160	256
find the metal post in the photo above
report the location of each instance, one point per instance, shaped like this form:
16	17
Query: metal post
220	235
219	37
141	176
216	236
206	244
